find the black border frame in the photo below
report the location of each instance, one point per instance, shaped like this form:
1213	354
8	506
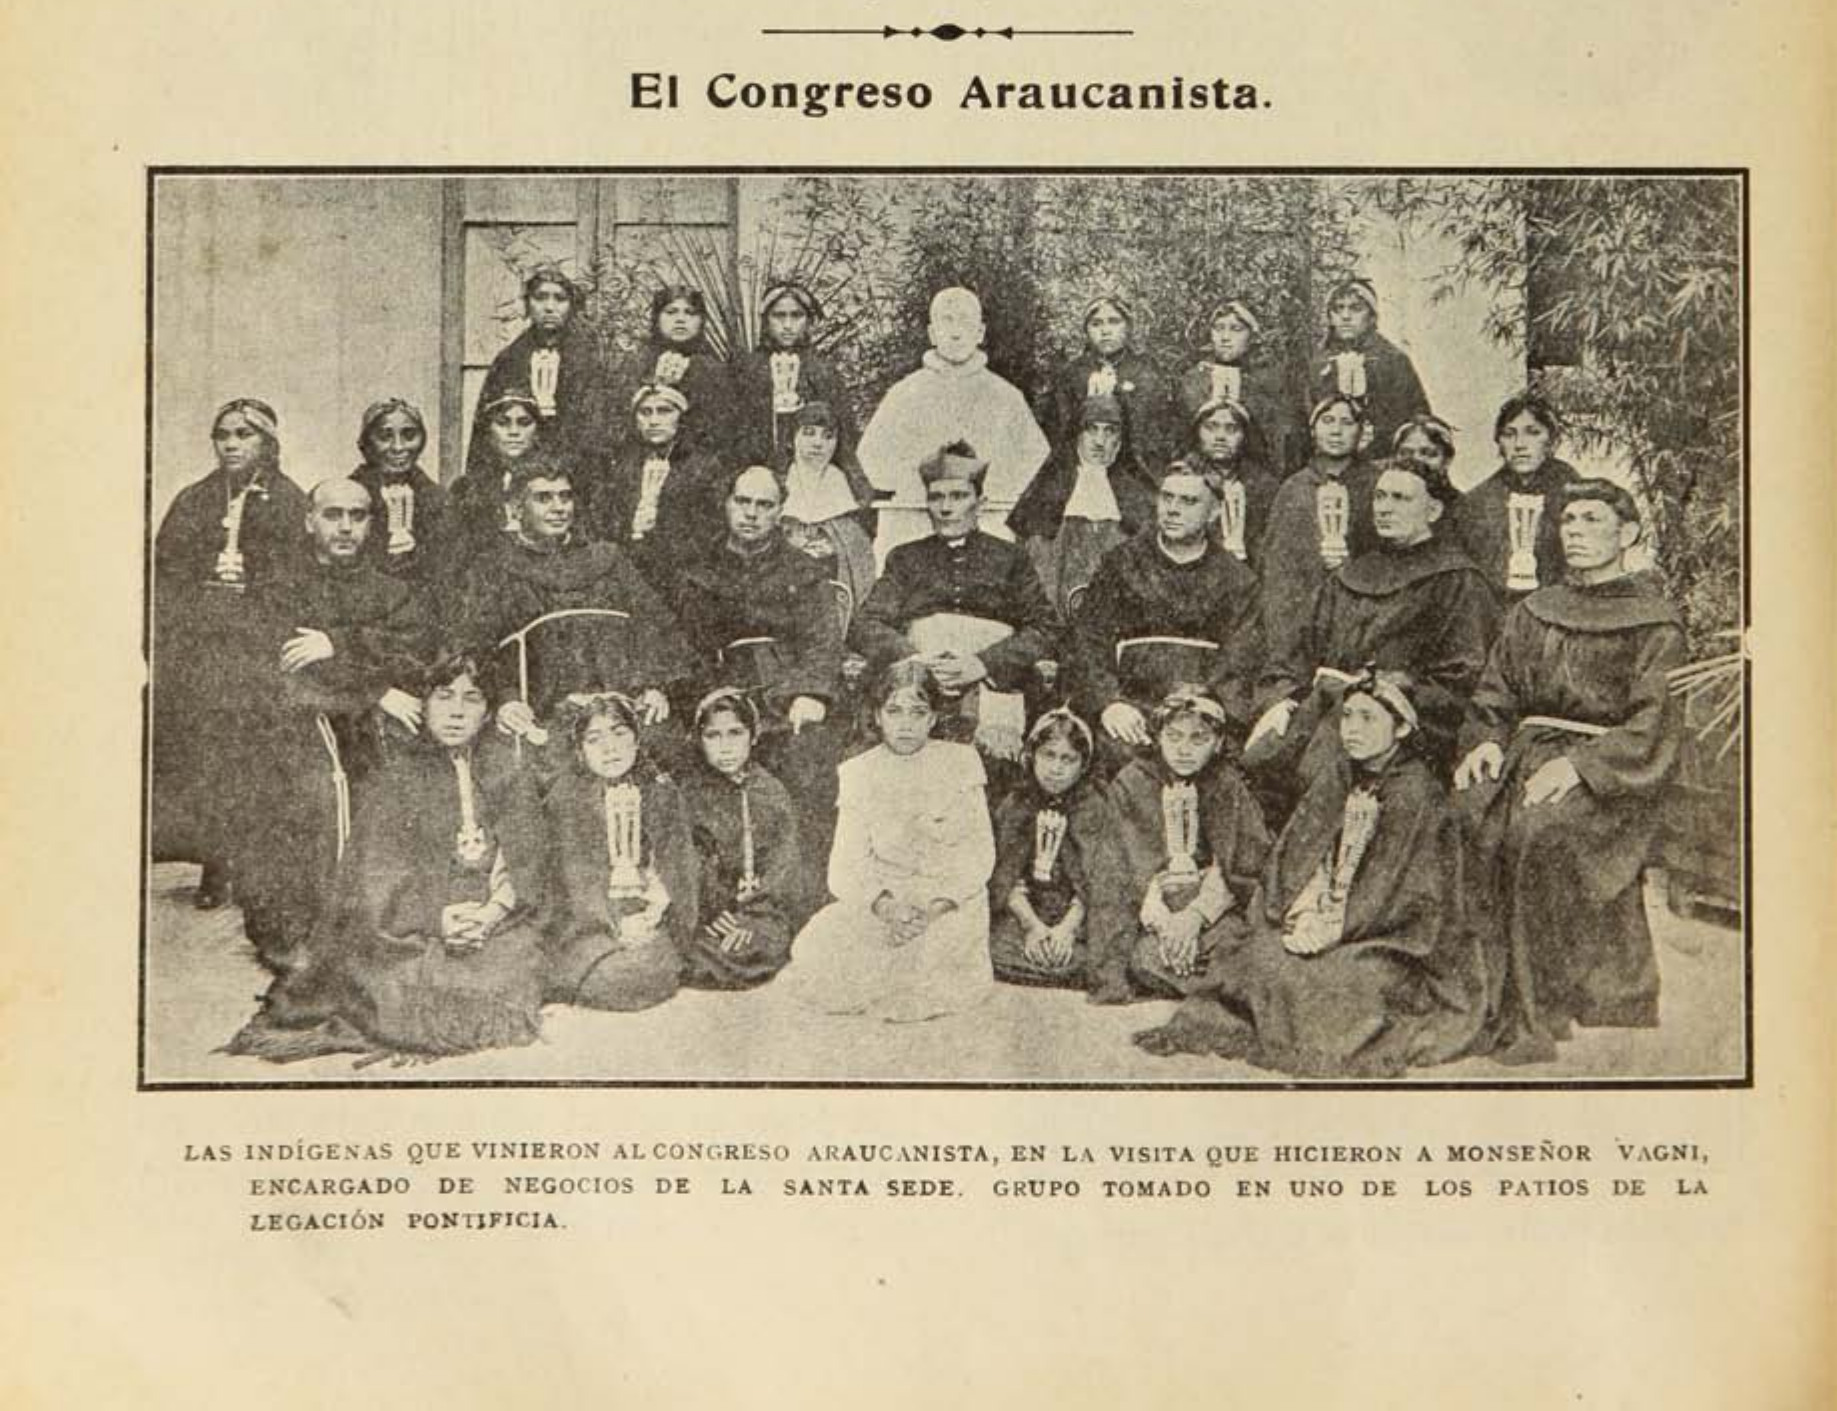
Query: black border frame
1745	1081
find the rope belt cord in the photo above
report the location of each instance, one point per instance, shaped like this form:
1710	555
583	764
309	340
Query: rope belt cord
1557	722
341	782
1197	643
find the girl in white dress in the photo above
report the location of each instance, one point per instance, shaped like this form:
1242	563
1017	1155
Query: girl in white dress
907	936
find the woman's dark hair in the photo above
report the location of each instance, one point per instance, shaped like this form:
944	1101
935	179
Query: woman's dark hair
260	416
374	414
1432	427
907	674
446	670
581	711
668	295
1344	399
734	702
1059	725
1541	411
549	274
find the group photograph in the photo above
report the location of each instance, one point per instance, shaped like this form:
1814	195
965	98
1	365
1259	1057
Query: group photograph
1038	628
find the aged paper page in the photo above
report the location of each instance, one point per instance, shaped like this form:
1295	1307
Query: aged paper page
722	1200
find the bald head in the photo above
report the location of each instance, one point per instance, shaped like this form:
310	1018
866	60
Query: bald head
754	504
956	324
338	520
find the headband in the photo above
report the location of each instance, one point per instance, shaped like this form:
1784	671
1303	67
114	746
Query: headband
794	292
1239	412
1360	289
1431	426
735	699
1335	399
1110	299
659	389
1239	310
1063	714
1191	700
509	397
258	414
1383	687
376	411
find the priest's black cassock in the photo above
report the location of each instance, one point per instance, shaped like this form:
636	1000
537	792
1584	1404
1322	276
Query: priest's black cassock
1423	609
319	734
1578	672
1140	594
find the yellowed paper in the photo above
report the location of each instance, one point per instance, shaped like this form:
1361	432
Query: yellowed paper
600	1215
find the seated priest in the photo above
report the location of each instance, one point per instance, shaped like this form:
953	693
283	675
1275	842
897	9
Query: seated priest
1168	606
550	615
763	617
969	606
1415	604
346	645
1572	738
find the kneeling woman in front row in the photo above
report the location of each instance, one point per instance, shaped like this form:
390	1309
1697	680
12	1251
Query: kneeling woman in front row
427	945
1187	842
907	937
746	844
1051	837
1354	959
625	869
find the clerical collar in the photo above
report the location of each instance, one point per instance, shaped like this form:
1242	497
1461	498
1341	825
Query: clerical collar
749	551
955	542
542	546
1201	544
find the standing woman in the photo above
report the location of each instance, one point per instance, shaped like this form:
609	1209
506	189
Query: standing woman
1510	522
478	513
782	376
1358	361
1229	370
1224	436
1109	366
555	360
677	354
1320	518
1091	496
411	507
224	535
